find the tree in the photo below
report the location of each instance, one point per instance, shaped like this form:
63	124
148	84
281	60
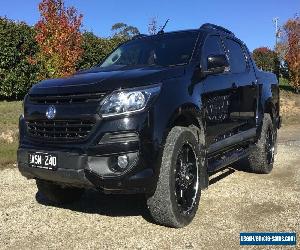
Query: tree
17	47
59	38
153	26
124	31
266	59
290	47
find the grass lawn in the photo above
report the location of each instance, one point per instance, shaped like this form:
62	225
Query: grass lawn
9	116
285	85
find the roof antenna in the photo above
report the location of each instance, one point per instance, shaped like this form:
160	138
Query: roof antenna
162	29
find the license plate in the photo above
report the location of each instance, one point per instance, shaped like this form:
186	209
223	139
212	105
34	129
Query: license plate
42	160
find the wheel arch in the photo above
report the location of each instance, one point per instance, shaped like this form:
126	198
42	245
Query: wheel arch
190	115
186	115
271	108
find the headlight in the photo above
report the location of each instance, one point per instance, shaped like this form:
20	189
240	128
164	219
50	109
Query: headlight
128	100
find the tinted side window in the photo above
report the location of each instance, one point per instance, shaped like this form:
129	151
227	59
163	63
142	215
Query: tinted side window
236	55
212	46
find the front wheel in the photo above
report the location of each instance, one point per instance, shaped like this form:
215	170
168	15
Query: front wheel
177	195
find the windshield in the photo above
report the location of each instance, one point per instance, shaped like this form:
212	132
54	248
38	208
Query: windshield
166	50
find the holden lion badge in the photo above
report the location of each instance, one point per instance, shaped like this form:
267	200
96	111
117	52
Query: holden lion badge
51	112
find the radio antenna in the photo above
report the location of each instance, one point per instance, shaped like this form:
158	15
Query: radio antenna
162	29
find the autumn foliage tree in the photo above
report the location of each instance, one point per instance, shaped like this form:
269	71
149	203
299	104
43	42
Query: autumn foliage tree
59	38
266	59
291	47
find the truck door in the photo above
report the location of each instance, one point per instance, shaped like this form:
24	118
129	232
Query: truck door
220	97
243	77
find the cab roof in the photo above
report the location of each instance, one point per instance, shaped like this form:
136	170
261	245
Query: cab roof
207	27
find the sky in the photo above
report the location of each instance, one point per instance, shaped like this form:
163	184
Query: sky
251	21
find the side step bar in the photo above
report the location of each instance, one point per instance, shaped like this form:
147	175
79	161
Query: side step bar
235	139
231	157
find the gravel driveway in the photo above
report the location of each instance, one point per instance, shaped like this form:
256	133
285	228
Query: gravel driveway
235	201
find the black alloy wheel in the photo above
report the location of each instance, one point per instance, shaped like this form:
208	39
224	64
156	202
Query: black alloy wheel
178	191
186	179
270	146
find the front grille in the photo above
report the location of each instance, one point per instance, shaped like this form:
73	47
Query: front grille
66	99
60	129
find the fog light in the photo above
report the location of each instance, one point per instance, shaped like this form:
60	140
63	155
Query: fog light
123	161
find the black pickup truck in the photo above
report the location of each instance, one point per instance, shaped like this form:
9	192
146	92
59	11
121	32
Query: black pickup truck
156	117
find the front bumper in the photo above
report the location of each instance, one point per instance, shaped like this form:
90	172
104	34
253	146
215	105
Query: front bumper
88	163
82	170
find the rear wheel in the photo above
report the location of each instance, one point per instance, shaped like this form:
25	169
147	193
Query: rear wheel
177	195
57	194
261	158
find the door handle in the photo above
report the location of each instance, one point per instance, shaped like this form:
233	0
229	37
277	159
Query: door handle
234	85
253	84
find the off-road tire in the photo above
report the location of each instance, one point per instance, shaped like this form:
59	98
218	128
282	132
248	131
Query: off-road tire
57	194
163	205
258	161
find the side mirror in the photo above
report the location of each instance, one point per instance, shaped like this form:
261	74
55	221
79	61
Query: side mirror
216	64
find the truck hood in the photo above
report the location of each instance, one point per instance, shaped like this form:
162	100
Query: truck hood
107	79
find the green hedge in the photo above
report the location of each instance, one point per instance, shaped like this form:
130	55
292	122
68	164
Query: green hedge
17	45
